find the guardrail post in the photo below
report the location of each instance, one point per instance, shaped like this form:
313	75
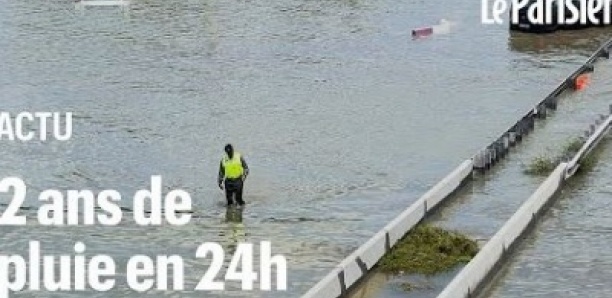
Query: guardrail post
605	53
479	161
493	156
499	150
551	103
495	151
520	130
506	142
570	83
542	111
511	138
516	134
525	125
483	155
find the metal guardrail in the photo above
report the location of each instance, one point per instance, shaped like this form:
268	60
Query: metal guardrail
498	149
357	265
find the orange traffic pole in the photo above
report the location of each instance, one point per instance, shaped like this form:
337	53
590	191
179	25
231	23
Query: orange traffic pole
581	81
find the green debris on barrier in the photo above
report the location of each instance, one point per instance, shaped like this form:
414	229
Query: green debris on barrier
428	250
545	164
588	162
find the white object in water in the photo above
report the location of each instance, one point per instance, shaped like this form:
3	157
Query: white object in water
103	2
443	27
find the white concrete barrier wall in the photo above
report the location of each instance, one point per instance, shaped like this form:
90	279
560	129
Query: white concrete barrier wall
397	228
373	250
475	272
448	185
548	188
329	286
484	262
355	266
515	226
365	257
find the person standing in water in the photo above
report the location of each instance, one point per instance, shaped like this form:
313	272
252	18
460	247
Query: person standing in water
233	170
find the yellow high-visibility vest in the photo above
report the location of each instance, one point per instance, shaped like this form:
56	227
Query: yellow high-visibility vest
233	167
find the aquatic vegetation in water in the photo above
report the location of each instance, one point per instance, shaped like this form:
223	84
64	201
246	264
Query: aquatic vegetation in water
588	163
541	165
572	147
428	250
544	164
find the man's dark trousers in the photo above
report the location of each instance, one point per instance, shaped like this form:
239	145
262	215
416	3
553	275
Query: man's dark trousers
233	188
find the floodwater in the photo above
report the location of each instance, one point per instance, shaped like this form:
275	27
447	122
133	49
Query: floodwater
336	109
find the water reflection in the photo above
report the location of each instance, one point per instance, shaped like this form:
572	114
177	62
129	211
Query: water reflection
235	231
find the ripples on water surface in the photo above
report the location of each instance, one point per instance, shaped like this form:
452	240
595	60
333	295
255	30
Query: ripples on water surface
337	110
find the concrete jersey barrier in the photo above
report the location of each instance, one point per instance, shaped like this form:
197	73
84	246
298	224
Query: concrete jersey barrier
476	271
